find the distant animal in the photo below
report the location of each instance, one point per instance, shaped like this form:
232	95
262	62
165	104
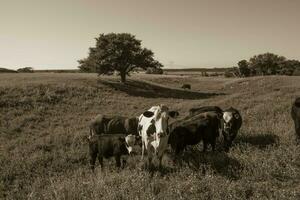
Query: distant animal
192	129
295	112
109	145
105	124
186	86
230	122
153	128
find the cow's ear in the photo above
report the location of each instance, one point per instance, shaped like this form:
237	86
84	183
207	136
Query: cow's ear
220	116
173	114
237	116
122	139
148	114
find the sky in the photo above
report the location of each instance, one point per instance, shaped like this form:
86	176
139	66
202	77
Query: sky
55	34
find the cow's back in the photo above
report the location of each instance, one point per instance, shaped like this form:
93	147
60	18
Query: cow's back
116	126
131	126
204	109
99	124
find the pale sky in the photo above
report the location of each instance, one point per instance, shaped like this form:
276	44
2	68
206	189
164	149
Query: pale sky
54	34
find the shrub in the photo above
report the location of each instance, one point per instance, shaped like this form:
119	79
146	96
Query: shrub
154	71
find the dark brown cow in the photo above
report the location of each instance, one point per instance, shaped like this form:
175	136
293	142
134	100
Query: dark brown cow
104	124
230	121
108	145
192	129
295	112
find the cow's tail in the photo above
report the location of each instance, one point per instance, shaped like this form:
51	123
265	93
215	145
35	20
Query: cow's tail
91	134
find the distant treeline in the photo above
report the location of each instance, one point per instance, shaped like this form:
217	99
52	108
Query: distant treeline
31	70
58	71
263	65
4	70
197	70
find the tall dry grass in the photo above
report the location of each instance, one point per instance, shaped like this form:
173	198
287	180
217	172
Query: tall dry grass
43	153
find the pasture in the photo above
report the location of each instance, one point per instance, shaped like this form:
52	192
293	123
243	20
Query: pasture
44	155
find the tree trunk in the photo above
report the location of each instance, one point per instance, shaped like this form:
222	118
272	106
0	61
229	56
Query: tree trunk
123	77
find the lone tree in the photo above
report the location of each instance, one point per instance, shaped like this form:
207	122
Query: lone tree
26	70
120	52
244	68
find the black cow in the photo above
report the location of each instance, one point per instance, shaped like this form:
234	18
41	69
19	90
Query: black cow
230	121
186	86
295	112
192	129
108	145
104	124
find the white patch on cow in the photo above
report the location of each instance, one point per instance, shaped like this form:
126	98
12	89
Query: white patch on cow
130	141
227	116
155	144
129	149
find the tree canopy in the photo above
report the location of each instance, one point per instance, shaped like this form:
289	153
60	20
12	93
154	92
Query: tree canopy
244	68
26	70
120	52
268	64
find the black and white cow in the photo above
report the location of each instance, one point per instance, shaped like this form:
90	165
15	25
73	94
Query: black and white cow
295	112
153	128
193	129
109	145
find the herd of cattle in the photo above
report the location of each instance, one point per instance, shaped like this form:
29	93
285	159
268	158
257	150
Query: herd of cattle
114	136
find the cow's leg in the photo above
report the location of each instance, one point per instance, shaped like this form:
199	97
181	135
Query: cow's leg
93	156
118	161
100	158
178	154
124	162
160	161
143	149
204	146
150	156
93	151
226	141
213	144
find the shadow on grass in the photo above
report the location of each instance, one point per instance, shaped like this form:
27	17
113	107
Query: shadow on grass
219	162
149	90
259	140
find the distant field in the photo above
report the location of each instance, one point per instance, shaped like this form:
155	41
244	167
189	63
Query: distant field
44	118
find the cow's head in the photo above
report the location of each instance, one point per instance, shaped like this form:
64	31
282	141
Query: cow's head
229	119
231	123
130	141
157	124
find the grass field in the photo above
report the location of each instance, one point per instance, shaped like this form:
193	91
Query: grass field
44	119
